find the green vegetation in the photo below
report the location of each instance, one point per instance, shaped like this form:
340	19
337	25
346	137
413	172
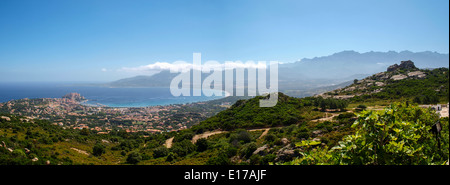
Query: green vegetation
295	131
248	114
397	135
432	89
400	134
38	142
288	111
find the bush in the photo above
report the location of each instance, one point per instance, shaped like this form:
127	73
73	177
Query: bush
255	159
160	152
268	158
248	149
186	135
241	136
134	157
183	148
303	135
171	157
221	159
202	145
400	134
98	149
270	138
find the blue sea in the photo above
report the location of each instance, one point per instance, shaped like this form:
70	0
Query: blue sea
111	97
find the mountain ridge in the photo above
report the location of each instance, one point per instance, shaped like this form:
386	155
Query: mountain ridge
309	76
350	62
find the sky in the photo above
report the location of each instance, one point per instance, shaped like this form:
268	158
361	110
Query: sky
98	40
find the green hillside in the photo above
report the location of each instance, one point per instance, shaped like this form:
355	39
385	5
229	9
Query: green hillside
432	89
40	139
247	113
400	83
311	130
39	142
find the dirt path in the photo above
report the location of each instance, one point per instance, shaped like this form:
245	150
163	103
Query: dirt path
327	118
444	112
80	151
264	133
205	135
169	142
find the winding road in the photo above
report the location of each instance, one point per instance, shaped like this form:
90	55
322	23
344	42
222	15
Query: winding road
169	141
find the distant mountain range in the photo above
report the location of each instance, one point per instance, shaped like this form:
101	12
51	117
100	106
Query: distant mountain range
347	63
311	76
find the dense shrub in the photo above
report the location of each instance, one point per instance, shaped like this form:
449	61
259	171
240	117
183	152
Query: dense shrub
183	148
98	149
398	135
201	144
134	157
160	152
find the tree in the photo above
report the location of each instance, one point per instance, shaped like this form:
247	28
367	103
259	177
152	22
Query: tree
255	159
171	157
134	157
183	148
241	136
160	152
221	159
98	149
202	144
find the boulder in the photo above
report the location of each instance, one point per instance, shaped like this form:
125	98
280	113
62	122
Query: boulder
418	74
286	154
261	150
379	84
285	141
399	77
317	132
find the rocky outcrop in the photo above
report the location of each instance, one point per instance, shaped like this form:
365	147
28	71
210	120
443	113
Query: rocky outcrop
286	153
285	141
418	74
392	68
404	65
261	150
399	77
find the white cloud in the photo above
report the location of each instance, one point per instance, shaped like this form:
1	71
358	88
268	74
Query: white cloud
160	66
104	70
